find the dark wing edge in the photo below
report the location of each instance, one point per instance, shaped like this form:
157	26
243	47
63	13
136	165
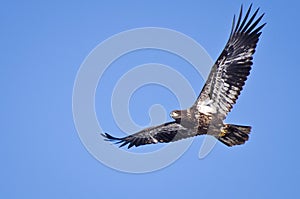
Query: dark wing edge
168	132
228	75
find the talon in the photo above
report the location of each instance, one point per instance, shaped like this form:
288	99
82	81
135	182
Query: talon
222	133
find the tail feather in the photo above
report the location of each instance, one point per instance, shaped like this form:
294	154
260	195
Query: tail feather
234	134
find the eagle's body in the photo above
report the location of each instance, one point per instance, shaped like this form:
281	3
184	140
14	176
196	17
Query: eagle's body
219	94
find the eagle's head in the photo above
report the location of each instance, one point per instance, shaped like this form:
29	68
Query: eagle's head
175	114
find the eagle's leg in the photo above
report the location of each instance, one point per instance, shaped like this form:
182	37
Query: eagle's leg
232	134
222	132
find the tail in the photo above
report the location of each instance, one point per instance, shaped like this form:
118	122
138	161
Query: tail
234	134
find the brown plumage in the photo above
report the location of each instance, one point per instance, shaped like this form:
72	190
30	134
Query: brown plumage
220	92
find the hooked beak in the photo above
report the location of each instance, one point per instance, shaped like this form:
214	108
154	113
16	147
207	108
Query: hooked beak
174	114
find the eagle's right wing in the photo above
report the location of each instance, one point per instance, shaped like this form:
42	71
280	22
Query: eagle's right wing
229	73
168	132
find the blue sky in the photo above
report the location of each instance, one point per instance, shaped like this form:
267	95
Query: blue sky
43	45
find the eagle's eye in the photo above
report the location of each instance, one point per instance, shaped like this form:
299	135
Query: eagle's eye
175	114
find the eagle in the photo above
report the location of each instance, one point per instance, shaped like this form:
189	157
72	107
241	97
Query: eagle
220	92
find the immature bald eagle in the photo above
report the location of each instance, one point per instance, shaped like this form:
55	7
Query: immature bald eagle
220	92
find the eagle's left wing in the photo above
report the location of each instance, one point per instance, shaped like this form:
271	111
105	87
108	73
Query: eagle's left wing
229	73
168	132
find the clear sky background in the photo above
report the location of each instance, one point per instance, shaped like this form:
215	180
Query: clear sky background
42	47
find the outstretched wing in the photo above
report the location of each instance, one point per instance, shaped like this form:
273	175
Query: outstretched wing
168	132
229	73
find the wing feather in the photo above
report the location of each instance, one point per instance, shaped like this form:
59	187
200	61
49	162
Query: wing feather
228	75
168	132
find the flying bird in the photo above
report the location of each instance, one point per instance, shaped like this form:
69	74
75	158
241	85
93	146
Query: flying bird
220	92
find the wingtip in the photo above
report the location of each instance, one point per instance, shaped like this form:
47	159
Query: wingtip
115	140
109	137
104	136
